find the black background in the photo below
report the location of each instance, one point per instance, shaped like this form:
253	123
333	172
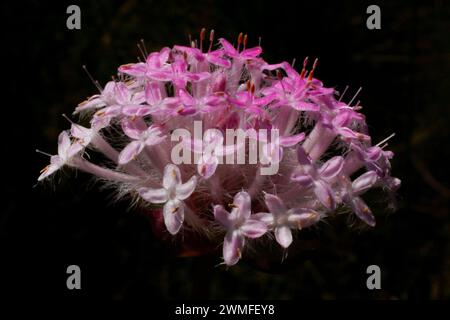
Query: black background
403	69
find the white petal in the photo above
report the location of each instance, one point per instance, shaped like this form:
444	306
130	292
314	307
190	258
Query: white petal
173	215
283	235
172	176
183	191
154	195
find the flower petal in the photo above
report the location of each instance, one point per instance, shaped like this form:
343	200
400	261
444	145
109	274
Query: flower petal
222	215
364	182
183	191
324	194
275	205
154	195
253	228
130	151
302	218
331	168
283	235
363	212
173	215
207	167
242	203
172	176
232	247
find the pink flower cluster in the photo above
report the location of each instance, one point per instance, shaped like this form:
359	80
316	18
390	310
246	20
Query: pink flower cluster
327	160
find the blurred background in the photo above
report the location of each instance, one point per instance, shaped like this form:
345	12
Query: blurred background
404	70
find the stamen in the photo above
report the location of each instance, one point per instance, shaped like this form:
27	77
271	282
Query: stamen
44	153
293	62
211	39
305	63
44	169
245	41
68	119
141	50
343	93
144	48
95	82
356	94
387	139
202	37
239	41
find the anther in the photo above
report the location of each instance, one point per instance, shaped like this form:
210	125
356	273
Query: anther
310	77
245	42
305	63
202	37
211	40
239	41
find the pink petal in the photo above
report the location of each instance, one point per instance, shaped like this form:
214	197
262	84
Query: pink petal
242	203
222	215
252	52
283	235
122	94
364	182
229	49
275	205
363	211
173	212
302	157
135	70
232	248
290	141
324	194
154	195
266	218
303	179
63	144
253	228
172	176
137	110
331	168
130	151
133	128
207	166
302	218
183	191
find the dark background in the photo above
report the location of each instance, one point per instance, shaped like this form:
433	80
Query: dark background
403	69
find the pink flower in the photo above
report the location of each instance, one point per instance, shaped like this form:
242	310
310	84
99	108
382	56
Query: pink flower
171	195
66	151
281	220
239	224
316	142
142	137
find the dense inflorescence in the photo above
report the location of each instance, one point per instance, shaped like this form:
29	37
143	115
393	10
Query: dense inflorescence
324	154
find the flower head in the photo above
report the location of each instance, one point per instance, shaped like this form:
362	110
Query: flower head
288	117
